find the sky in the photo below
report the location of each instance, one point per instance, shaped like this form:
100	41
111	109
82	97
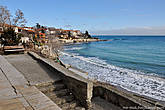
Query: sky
139	17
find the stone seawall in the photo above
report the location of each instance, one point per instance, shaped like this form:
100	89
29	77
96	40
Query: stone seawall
113	97
81	90
85	90
80	87
125	99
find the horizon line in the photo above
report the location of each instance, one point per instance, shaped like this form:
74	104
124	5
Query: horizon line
127	35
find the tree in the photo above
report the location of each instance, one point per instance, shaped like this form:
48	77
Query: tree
55	46
42	29
69	35
87	34
5	17
19	19
9	37
38	25
8	22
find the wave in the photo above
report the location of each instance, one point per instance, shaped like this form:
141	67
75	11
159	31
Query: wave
131	80
120	39
143	63
68	54
74	48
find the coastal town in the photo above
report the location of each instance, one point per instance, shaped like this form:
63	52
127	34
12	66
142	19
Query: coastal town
32	76
16	36
41	34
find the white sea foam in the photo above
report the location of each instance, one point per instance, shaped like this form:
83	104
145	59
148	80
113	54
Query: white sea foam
74	48
70	54
130	80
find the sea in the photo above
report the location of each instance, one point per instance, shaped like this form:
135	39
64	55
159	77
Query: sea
134	63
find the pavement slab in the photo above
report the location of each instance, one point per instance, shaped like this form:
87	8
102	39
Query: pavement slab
17	94
12	104
35	72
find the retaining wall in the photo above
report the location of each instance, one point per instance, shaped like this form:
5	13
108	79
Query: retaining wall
84	90
125	99
79	86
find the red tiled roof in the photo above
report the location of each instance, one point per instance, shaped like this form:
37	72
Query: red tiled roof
30	27
30	30
67	30
41	29
71	30
7	25
58	29
20	28
25	29
76	30
42	33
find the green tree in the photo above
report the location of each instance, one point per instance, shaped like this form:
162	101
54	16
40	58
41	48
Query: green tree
87	35
9	38
42	29
69	35
38	25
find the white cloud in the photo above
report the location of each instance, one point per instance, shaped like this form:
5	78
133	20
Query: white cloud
155	30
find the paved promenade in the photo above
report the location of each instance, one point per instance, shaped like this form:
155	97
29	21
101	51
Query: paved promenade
16	94
35	72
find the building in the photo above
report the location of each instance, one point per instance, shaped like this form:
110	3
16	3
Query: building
1	31
76	33
53	31
40	37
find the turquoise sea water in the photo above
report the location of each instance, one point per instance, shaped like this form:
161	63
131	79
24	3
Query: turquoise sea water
131	62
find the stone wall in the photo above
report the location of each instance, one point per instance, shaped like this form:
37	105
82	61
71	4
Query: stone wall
79	86
80	90
112	97
125	99
84	90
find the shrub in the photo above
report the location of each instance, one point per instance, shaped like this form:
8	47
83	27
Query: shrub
10	38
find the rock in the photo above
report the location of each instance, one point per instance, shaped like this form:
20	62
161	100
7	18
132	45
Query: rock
67	66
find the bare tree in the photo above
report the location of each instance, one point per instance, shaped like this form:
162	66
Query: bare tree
7	19
55	46
19	19
9	37
5	16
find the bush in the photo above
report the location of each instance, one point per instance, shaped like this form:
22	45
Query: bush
10	38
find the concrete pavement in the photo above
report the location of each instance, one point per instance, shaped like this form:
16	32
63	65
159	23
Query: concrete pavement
16	94
35	72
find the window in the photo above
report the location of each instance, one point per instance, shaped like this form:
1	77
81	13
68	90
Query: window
19	30
1	29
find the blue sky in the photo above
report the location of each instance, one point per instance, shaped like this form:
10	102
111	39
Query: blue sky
97	16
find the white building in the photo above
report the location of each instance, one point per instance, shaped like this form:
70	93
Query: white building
76	33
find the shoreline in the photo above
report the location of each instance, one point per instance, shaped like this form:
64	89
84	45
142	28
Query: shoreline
122	95
108	85
145	76
81	40
84	73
